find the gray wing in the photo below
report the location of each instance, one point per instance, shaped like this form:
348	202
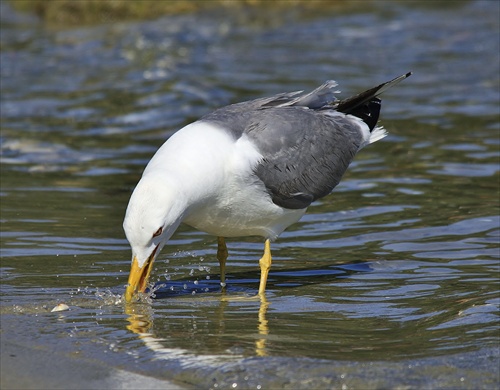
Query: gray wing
305	151
306	140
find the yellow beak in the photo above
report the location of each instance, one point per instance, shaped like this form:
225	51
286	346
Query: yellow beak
138	278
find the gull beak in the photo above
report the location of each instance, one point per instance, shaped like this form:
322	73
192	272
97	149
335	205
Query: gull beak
138	278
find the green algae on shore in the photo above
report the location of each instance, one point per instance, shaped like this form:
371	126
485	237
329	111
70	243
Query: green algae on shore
70	12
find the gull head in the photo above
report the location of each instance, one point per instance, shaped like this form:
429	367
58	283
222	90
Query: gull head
152	216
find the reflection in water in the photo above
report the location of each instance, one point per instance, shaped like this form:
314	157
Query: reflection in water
262	325
141	322
260	344
140	319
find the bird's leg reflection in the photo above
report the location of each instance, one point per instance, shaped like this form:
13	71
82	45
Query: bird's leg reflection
262	324
140	322
222	257
260	344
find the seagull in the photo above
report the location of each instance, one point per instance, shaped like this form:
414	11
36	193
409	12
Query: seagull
248	169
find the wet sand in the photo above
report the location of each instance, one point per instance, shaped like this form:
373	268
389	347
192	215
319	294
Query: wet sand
26	365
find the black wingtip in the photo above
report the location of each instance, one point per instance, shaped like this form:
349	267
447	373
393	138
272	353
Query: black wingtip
366	105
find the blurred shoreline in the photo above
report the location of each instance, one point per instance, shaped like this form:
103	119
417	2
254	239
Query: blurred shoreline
62	13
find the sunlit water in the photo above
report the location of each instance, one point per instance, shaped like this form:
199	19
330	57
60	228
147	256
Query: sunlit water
392	280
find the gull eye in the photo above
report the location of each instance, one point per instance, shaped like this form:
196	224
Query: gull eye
158	232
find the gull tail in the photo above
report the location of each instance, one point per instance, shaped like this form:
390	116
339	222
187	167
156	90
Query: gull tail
366	105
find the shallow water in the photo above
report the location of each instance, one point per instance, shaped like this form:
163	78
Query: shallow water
390	281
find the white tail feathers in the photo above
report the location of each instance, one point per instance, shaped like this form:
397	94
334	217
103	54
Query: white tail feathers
377	134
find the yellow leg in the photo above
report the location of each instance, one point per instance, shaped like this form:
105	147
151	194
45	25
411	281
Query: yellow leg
222	257
265	266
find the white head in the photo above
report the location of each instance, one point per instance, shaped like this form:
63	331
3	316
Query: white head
153	214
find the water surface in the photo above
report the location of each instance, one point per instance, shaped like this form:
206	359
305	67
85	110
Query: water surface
392	280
